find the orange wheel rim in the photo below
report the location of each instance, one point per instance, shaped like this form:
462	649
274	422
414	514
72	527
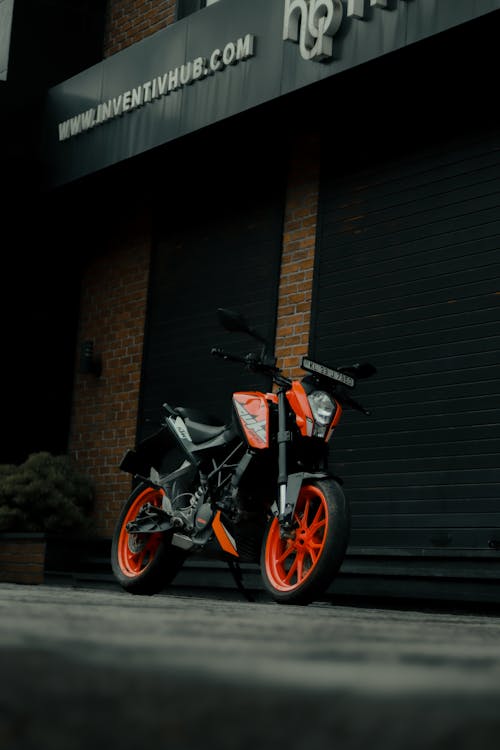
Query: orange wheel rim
137	551
289	562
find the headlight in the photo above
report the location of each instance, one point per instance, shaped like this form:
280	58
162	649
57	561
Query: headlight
323	408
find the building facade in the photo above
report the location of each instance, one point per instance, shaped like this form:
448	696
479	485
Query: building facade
331	169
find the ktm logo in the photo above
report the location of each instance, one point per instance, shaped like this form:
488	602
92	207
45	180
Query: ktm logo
312	23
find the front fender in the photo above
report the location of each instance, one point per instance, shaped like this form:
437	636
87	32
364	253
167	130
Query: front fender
294	483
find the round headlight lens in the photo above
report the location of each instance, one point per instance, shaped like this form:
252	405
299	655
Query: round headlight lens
322	406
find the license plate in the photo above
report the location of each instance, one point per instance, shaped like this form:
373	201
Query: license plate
327	372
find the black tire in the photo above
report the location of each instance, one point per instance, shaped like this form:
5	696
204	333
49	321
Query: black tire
143	563
299	570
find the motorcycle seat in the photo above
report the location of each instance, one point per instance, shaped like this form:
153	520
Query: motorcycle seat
202	426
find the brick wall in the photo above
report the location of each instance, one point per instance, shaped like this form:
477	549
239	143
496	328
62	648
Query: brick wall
112	315
129	21
22	559
299	239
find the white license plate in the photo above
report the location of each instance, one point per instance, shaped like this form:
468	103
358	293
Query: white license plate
327	372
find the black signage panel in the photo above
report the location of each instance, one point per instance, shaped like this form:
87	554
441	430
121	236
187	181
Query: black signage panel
6	11
225	59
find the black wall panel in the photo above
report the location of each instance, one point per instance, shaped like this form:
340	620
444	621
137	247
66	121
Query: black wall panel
407	271
407	277
218	244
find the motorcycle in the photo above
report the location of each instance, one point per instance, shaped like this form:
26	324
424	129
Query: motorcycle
256	489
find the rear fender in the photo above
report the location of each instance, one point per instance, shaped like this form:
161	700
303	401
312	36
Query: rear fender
147	454
147	458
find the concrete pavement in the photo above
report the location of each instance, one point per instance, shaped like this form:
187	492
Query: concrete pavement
87	667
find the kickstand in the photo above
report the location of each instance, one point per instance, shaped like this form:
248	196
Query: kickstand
238	579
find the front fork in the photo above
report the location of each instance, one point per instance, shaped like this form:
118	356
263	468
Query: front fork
289	485
283	440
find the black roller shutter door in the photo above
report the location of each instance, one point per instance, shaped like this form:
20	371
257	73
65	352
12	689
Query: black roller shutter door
218	248
407	277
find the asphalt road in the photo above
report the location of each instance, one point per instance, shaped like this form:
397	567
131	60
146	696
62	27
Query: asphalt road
98	668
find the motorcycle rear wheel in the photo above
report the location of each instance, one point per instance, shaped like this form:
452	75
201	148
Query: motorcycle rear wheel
143	563
299	570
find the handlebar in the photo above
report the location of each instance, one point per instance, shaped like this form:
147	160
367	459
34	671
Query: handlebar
251	361
254	363
217	352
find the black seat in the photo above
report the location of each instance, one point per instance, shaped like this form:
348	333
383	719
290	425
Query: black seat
201	426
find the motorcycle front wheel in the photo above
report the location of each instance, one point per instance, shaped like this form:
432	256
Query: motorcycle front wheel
299	569
143	563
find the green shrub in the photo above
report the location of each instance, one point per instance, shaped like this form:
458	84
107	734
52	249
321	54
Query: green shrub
45	494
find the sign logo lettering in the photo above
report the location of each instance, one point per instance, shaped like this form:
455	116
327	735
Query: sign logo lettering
312	23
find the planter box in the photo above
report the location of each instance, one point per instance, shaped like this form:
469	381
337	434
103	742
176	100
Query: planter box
22	558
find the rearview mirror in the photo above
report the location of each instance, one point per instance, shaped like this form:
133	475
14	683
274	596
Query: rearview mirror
232	320
235	321
364	370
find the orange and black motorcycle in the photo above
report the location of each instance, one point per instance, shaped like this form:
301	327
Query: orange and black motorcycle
256	490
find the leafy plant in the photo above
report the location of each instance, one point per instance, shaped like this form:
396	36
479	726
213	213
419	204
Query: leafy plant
47	494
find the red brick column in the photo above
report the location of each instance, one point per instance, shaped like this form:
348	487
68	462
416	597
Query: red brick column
299	240
129	21
112	315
